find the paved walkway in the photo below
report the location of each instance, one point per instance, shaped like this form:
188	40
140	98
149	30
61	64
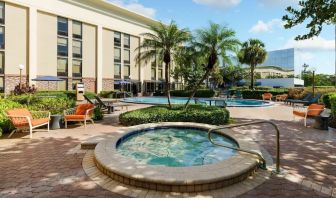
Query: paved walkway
47	166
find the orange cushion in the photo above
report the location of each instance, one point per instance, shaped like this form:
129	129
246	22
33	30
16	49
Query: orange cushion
299	113
74	117
267	95
315	109
40	121
19	122
81	109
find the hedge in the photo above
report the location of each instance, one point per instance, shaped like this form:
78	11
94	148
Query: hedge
326	99
194	113
5	104
257	94
332	120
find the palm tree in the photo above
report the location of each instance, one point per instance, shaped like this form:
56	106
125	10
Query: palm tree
252	53
161	43
213	42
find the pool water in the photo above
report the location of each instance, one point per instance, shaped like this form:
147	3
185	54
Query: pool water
175	147
182	100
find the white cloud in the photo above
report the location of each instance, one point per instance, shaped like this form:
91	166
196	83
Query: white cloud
315	44
223	4
135	6
262	26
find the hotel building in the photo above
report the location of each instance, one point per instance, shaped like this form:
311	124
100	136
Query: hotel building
91	41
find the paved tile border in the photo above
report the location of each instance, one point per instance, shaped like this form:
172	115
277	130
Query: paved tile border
120	188
177	179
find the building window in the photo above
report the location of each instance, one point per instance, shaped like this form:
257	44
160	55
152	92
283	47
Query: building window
117	39
127	54
2	62
117	71
74	82
153	73
127	71
62	85
2	84
62	46
62	67
160	71
117	55
2	13
77	29
77	49
127	43
2	37
77	68
62	26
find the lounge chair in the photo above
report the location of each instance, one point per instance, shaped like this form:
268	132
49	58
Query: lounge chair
307	97
281	97
267	96
238	95
89	100
220	103
22	119
308	102
311	111
82	113
105	105
201	102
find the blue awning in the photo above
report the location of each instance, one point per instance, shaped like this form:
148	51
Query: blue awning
47	78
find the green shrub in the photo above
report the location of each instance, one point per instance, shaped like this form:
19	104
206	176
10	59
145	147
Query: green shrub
5	105
54	105
202	93
194	113
332	120
98	114
326	99
257	94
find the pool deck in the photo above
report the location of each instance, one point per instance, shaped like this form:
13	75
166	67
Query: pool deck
50	165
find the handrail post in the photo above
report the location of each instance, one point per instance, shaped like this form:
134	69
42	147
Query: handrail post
277	168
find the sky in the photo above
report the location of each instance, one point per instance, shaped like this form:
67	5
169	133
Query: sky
259	19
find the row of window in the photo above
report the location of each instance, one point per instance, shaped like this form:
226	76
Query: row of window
2	46
117	55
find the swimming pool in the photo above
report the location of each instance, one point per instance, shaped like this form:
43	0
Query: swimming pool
175	147
209	101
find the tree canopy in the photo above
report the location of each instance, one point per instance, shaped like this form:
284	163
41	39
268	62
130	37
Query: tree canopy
315	12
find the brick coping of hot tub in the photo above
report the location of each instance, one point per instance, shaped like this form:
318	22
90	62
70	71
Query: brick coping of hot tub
176	179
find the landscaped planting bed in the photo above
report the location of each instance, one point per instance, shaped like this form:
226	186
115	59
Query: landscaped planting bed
194	113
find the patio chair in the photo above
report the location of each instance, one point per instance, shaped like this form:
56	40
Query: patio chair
22	119
308	102
82	113
306	98
105	105
281	97
267	96
89	100
311	111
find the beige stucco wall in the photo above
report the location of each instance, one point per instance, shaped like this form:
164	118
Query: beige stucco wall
89	51
15	39
46	44
108	47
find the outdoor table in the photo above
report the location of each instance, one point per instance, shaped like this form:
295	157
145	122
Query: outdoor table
55	122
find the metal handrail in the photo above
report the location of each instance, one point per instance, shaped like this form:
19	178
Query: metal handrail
252	152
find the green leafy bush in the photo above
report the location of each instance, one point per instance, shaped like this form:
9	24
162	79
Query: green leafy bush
5	105
194	113
326	99
332	120
98	114
202	93
257	94
54	105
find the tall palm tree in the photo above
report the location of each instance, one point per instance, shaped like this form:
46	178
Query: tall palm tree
252	53
161	43
213	42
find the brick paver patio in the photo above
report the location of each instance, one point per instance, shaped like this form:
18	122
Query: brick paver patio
47	166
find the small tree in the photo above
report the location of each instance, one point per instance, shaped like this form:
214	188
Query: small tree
252	53
162	43
213	42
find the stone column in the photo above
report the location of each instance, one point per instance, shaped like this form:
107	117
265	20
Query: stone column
99	75
32	53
